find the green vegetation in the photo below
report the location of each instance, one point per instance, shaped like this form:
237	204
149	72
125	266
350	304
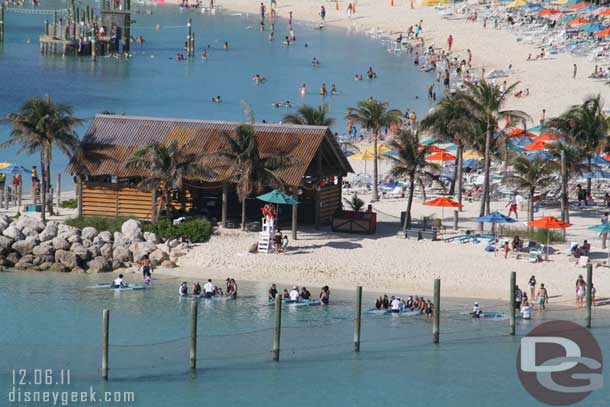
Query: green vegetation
99	222
69	203
196	230
355	203
539	235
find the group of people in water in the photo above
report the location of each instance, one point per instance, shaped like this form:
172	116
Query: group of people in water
302	294
396	304
209	290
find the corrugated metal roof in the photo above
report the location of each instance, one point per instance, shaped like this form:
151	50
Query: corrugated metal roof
111	140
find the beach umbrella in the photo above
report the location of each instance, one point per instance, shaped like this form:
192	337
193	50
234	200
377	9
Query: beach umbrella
365	156
548	11
602	228
495	217
471	154
604	12
536	129
579	21
597	174
598	160
278	198
579	5
4	165
536	145
433	149
392	153
443	202
603	33
534	8
522	141
347	153
516	3
539	154
517	132
548	222
548	136
429	141
470	163
15	169
442	156
592	28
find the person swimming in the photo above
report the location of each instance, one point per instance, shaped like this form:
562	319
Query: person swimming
183	290
323	91
476	311
259	78
333	89
272	292
325	295
216	99
303	89
118	282
196	288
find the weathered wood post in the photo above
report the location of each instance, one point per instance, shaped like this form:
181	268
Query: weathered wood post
54	24
295	213
277	328
105	332
193	343
79	196
6	200
456	219
436	311
225	204
58	190
192	44
511	302
188	37
357	319
93	48
19	195
127	31
589	298
1	22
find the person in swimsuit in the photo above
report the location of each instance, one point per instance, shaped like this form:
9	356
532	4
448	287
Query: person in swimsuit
428	309
386	302
197	288
286	294
277	241
379	302
232	289
145	263
272	292
476	311
325	295
532	284
543	297
581	292
183	290
305	294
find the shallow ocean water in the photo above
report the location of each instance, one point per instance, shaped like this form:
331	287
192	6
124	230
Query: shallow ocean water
153	83
53	321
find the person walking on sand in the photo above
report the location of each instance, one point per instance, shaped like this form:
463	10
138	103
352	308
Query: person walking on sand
322	14
290	18
574	72
450	42
350	10
542	117
532	284
512	206
506	249
543	297
262	9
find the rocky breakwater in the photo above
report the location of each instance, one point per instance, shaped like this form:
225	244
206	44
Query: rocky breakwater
27	243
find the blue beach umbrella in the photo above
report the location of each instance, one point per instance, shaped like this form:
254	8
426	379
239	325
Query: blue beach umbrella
15	169
495	217
429	141
597	174
598	160
602	228
593	28
539	154
347	153
521	141
536	129
392	153
471	163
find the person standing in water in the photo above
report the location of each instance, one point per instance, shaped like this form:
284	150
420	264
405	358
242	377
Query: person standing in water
323	14
325	295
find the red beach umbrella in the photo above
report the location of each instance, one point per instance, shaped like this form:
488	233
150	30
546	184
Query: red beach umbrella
441	156
521	133
579	21
548	136
547	12
603	33
548	222
579	5
443	202
536	145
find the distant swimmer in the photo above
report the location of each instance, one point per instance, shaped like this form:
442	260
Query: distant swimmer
357	77
183	290
315	62
370	73
303	89
286	41
216	99
118	282
286	104
259	78
323	91
271	35
226	46
204	56
333	89
476	311
291	35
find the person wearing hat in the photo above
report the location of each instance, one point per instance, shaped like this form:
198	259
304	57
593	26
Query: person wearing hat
476	310
294	294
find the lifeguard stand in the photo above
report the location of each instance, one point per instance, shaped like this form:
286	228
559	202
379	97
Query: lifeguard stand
265	240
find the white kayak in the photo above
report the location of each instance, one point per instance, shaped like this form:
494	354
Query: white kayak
298	303
128	287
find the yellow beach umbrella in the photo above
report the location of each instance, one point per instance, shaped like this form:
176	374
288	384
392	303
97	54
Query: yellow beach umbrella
561	2
4	165
516	3
472	155
380	149
365	156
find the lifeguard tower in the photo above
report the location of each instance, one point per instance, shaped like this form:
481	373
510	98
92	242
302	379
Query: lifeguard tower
265	239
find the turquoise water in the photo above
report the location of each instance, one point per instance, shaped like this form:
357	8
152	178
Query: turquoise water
53	321
152	83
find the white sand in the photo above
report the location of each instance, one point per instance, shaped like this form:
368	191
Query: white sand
385	262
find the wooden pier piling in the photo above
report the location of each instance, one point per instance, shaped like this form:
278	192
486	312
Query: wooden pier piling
358	319
105	334
193	341
436	311
277	328
511	302
1	23
589	298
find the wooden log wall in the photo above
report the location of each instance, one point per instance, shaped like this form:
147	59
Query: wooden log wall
330	201
116	200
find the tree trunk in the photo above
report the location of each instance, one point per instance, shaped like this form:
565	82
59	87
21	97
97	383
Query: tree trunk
407	223
375	197
531	208
565	201
43	184
588	179
48	176
455	172
485	192
243	214
460	174
168	206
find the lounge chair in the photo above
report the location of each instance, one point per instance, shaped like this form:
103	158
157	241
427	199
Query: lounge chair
534	256
531	245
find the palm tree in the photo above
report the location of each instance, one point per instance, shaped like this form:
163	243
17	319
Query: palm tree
532	174
574	162
39	125
586	125
485	101
410	162
451	121
252	172
310	116
166	168
373	116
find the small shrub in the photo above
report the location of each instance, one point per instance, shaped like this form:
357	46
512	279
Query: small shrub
196	230
355	203
539	235
69	203
99	222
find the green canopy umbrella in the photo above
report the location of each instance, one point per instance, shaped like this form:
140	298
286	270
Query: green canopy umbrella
279	198
603	228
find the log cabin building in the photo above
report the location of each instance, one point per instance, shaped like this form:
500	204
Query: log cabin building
108	187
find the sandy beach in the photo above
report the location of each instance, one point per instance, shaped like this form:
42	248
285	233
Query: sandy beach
549	80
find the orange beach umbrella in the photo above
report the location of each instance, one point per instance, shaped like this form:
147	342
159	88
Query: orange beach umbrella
441	156
548	136
579	5
443	202
547	12
433	149
548	222
603	33
536	145
516	132
579	21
